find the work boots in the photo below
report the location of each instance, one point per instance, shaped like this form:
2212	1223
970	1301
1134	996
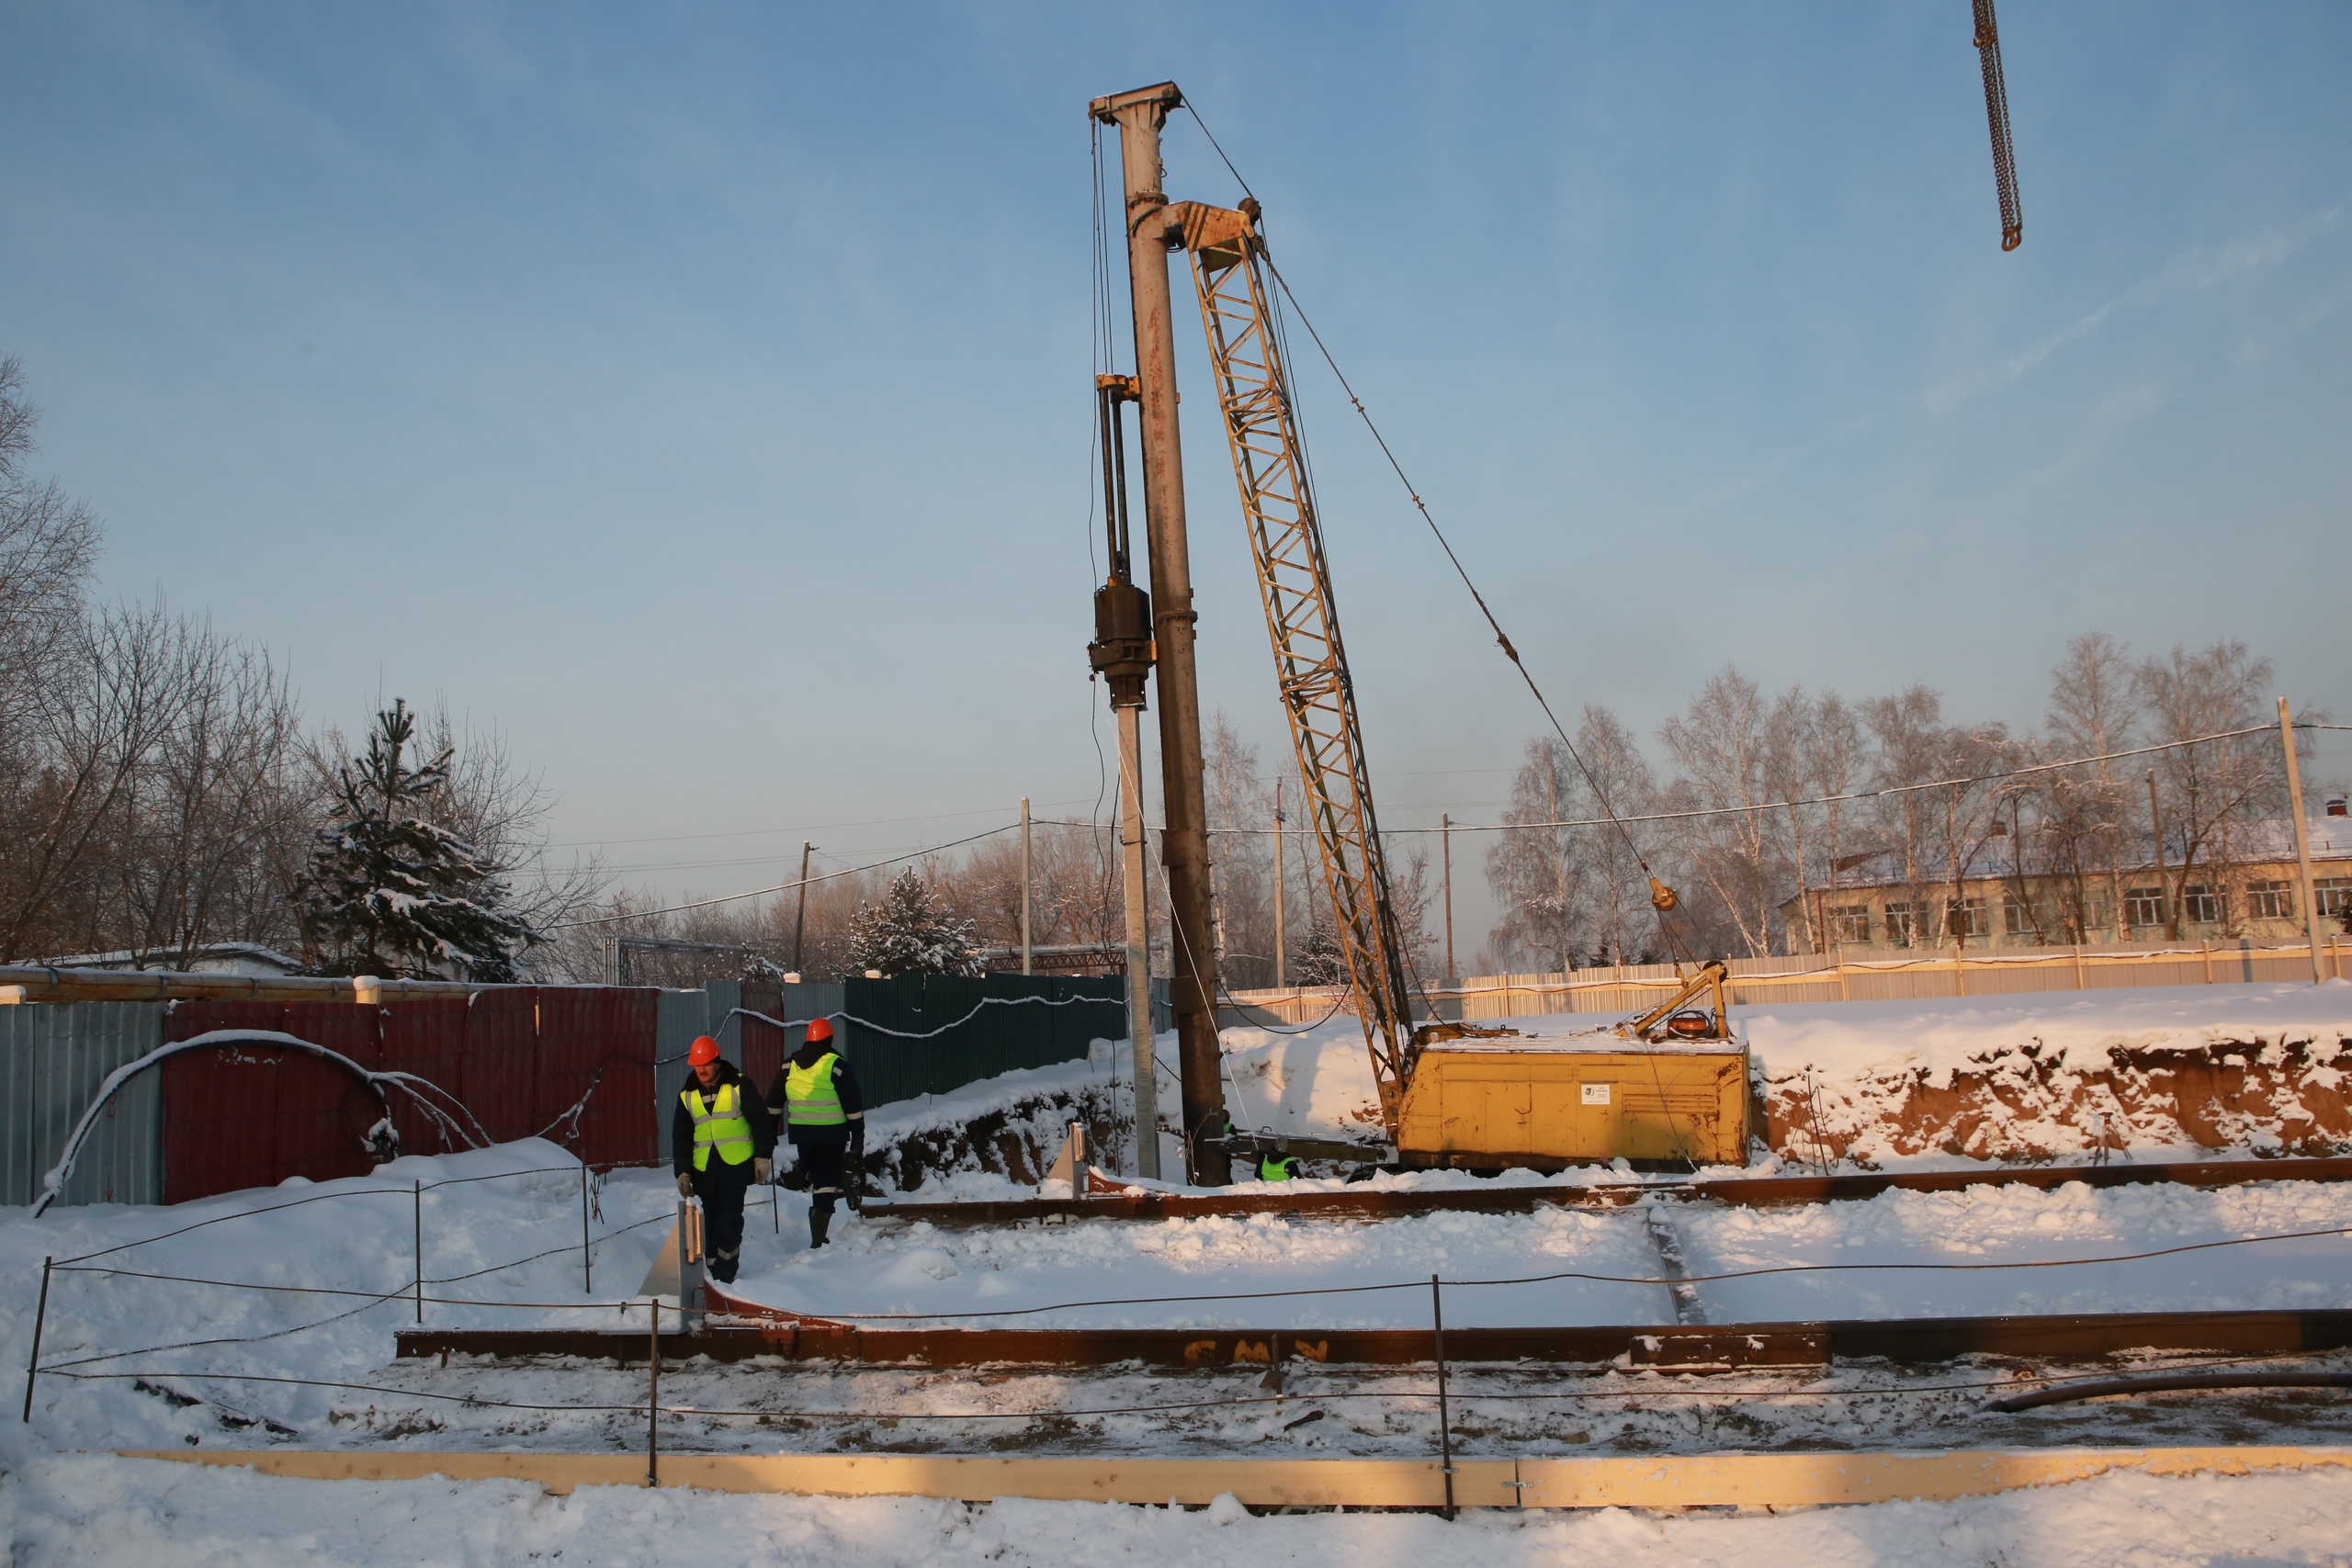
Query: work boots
820	1222
723	1266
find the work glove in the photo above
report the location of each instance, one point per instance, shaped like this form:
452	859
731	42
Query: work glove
763	1171
685	1185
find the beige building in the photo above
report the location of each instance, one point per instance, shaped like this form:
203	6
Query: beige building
2004	898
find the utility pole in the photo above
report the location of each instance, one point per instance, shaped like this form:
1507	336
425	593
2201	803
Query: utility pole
1184	847
2165	905
800	920
2302	839
1446	838
1282	953
1024	884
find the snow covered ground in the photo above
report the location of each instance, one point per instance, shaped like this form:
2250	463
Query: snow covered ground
75	1509
153	1357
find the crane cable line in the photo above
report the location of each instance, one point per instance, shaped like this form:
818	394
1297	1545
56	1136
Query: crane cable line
1662	900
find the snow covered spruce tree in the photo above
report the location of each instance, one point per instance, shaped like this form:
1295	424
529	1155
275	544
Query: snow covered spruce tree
391	892
911	932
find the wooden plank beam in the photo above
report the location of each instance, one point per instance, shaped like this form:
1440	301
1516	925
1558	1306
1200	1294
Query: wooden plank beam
1717	1347
1671	1480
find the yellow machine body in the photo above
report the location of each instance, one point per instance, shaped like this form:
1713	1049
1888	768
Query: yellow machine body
1544	1105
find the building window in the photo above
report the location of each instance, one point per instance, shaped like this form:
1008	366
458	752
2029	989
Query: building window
1966	918
2144	907
2333	896
1903	925
2269	901
2025	919
1850	923
2201	904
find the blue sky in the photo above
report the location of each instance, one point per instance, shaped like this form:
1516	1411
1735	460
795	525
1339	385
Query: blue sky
701	393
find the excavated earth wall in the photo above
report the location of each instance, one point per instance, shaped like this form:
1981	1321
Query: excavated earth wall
2024	1103
1017	1140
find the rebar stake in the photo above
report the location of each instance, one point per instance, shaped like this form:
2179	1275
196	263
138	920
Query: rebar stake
32	1364
653	1401
419	1247
587	1268
1445	1428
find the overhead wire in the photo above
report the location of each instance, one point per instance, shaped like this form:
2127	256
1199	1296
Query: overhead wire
1501	638
783	888
1956	782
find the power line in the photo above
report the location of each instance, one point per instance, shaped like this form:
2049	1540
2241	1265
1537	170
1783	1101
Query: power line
1809	800
781	888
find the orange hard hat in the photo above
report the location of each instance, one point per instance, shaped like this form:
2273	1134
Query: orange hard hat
821	1029
704	1049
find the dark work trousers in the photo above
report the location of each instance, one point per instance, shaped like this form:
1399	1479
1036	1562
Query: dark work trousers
721	1189
823	1151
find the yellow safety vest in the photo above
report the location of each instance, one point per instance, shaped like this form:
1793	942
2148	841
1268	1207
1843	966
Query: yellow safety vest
719	1123
1276	1167
809	1097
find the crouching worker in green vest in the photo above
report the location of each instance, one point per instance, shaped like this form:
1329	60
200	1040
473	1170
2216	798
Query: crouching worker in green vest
1277	1164
823	1110
721	1140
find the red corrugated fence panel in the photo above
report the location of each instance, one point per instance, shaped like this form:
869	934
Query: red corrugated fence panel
252	1115
599	1044
501	1035
427	1039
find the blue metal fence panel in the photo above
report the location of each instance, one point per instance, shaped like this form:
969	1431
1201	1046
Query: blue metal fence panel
679	1016
809	1000
53	1057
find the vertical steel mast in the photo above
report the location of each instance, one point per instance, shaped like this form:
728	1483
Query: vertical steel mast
1184	844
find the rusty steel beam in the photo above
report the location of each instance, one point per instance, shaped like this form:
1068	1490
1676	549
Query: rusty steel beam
1741	1191
1717	1348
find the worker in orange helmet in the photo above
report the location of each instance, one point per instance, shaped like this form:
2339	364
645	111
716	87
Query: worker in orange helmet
823	1110
721	1140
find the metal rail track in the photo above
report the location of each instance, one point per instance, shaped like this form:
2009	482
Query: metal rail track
1667	1346
1743	1191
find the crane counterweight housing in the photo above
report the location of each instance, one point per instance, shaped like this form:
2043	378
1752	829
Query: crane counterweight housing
1671	1085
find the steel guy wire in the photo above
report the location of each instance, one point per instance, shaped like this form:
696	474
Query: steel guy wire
1315	1290
1600	1279
318	1198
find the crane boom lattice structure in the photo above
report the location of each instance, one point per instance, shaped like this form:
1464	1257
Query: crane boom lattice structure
1302	621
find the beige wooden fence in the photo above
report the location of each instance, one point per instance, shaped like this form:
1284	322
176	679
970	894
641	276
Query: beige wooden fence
1834	978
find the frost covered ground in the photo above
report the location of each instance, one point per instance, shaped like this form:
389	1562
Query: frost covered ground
154	1357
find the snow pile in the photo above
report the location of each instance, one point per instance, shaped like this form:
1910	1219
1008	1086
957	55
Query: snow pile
918	1270
1974	1253
2168	1071
155	1360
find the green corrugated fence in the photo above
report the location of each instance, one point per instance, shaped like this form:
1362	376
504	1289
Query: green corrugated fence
997	1039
